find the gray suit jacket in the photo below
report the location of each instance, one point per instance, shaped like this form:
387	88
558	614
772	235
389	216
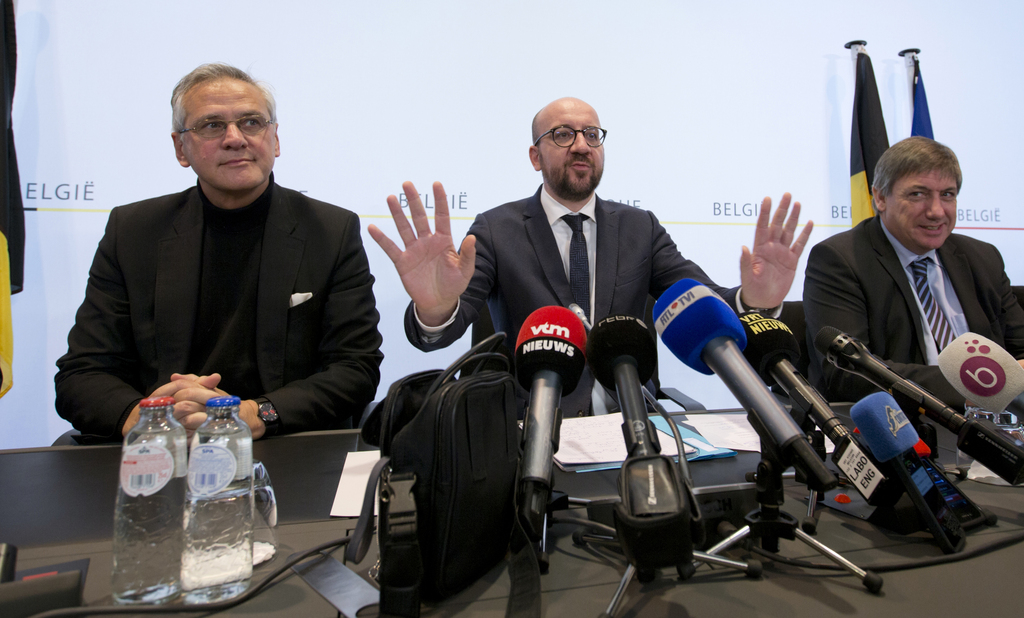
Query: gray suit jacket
854	282
519	270
318	361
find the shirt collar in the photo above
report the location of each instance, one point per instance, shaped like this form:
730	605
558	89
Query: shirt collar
555	210
906	256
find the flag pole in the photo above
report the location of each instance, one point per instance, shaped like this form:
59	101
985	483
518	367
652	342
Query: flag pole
910	59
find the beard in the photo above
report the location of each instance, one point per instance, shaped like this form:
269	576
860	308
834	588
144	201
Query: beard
569	185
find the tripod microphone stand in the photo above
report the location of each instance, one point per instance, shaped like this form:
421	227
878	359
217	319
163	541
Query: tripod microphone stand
770	523
632	542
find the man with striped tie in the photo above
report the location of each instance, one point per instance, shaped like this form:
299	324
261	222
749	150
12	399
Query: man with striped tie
903	283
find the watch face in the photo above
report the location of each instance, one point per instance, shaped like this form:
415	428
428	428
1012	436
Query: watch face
267	412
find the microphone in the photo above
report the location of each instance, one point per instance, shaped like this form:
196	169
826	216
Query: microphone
984	373
891	437
623	355
549	363
981	439
771	350
701	330
655	516
684	468
581	315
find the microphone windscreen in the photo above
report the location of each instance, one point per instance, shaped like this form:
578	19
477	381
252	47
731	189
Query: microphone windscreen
823	340
886	429
551	338
688	316
616	336
768	342
982	371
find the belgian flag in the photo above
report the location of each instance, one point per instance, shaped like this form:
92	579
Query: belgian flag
868	139
12	216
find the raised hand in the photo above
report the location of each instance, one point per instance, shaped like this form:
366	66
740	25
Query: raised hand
432	271
767	272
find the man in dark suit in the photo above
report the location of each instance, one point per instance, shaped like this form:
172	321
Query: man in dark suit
236	286
516	257
863	281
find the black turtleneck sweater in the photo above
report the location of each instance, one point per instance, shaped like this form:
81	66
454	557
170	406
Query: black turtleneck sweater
224	337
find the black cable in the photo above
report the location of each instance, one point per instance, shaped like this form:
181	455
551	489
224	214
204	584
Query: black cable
900	566
198	607
586	523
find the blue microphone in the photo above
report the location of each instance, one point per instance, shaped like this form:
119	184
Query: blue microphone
890	436
886	429
701	330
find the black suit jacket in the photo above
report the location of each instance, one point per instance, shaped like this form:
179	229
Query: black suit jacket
854	282
318	361
519	270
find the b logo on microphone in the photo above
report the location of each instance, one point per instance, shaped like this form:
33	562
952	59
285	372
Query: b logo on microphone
982	375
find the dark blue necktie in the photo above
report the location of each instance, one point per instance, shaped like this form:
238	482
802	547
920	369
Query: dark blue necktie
941	330
579	263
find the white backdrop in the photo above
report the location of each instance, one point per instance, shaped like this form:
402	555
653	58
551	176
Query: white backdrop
705	104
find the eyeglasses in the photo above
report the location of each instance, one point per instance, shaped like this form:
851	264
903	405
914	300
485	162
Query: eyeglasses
214	128
566	136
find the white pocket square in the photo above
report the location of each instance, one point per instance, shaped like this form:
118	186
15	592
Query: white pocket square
298	298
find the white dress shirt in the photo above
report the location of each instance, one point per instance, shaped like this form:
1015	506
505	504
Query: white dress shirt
942	291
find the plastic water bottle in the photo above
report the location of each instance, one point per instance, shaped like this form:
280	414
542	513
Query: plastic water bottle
217	562
150	503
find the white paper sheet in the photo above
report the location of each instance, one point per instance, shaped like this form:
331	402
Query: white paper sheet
726	431
348	500
597	439
732	430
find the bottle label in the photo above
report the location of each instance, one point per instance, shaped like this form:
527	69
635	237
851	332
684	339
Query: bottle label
211	468
145	469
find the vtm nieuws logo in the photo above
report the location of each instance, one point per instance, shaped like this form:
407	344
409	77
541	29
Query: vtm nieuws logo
550	329
982	376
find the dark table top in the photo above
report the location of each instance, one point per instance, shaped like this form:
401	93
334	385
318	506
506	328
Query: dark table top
57	505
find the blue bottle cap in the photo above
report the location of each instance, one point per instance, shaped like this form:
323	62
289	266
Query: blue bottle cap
223	402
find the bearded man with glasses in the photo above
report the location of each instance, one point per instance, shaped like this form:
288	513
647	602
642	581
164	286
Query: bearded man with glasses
236	286
565	245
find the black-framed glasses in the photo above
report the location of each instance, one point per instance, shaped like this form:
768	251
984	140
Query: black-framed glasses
212	128
566	136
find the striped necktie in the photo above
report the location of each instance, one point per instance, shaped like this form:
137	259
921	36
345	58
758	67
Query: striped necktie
941	330
579	263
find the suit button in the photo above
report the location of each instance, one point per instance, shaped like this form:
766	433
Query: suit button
579	413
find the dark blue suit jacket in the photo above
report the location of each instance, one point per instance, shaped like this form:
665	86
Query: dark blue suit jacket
519	270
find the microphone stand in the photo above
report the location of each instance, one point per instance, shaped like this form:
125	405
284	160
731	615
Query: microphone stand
685	569
770	523
800	410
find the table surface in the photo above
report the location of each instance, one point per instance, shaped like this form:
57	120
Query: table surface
58	502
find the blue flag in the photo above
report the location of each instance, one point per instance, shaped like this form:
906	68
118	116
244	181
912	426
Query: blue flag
922	124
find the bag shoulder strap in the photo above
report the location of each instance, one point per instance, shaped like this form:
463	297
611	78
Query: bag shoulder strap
524	574
356	550
487	346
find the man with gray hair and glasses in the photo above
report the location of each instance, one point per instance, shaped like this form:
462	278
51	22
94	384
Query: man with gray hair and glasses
236	286
903	283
